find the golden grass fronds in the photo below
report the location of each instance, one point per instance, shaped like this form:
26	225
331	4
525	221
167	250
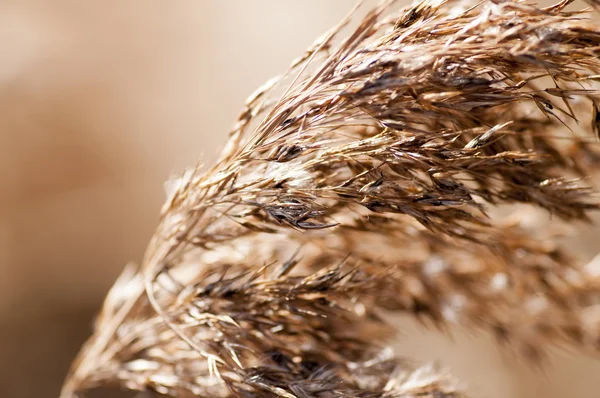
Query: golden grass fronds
370	186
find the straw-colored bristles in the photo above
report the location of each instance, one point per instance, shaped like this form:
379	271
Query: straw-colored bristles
369	186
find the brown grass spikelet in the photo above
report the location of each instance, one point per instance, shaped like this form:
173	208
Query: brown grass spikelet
372	184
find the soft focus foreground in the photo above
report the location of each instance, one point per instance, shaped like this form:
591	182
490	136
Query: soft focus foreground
101	102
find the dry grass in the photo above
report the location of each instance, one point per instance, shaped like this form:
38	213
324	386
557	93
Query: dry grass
369	186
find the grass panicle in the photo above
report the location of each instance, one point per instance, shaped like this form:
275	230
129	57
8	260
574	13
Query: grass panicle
391	169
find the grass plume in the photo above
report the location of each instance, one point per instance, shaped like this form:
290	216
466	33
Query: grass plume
371	185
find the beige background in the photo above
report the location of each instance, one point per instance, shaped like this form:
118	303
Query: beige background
100	101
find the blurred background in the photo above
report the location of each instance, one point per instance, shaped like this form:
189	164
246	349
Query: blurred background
100	102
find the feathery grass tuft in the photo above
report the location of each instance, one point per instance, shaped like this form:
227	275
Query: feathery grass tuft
372	185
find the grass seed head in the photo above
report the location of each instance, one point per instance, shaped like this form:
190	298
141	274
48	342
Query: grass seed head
368	178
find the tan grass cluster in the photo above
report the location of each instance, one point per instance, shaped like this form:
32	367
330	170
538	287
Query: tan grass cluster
371	186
